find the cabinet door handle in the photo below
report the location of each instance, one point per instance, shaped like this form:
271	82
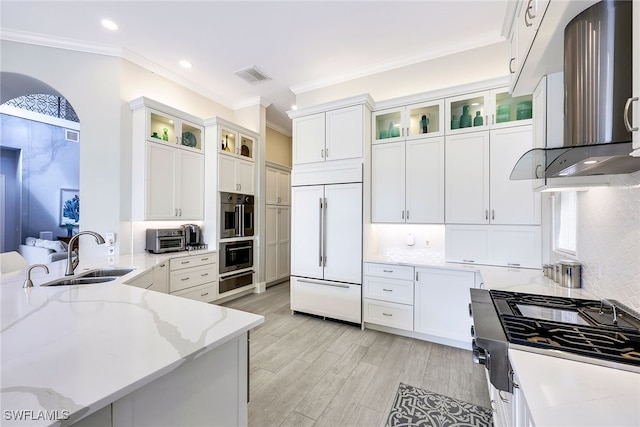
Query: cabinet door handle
468	260
204	274
185	262
407	214
387	290
402	214
184	279
493	214
511	70
513	264
387	314
205	294
627	123
529	16
486	214
387	271
322	153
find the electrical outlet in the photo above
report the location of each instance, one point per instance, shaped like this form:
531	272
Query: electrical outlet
427	243
110	238
111	250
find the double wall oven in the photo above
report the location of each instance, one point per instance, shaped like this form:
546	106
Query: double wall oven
236	244
600	332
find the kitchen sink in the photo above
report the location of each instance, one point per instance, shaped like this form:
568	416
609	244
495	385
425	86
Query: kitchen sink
78	281
107	272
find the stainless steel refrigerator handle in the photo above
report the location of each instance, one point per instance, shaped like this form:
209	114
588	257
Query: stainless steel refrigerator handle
324	235
627	123
313	282
320	231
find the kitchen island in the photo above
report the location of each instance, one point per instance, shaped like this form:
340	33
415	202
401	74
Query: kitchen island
113	354
553	391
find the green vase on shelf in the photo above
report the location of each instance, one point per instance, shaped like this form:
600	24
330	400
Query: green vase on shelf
165	134
465	118
477	120
455	122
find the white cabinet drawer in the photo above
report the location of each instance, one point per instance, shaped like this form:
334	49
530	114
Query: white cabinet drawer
331	299
386	289
402	272
191	261
205	292
183	279
388	314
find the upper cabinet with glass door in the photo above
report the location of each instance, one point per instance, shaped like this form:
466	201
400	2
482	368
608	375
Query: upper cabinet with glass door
168	129
486	110
236	144
408	122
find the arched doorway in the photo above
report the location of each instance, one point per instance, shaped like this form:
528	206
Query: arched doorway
40	159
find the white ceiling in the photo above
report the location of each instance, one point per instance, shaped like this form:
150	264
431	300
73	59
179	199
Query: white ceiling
301	45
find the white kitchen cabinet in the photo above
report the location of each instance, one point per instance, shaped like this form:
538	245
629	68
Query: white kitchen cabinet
167	175
327	136
235	175
407	122
478	188
441	303
408	181
236	144
388	295
491	109
278	186
503	245
194	276
161	278
174	183
326	232
277	243
169	129
467	178
634	120
144	280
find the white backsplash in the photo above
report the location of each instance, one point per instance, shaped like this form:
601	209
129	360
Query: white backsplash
609	240
391	240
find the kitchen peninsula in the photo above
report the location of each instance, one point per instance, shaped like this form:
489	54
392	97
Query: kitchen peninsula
114	354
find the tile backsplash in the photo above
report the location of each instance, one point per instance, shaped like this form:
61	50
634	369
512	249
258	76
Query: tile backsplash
608	240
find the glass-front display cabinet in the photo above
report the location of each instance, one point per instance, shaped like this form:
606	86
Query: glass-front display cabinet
408	122
236	144
487	110
170	130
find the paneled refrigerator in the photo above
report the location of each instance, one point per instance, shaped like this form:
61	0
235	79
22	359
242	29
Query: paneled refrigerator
326	250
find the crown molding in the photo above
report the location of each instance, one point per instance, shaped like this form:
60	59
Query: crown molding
280	129
394	64
250	102
59	42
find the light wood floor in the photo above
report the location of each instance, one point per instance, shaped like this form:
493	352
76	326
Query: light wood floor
305	371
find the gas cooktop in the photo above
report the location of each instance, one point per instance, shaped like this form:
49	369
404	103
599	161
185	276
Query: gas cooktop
599	332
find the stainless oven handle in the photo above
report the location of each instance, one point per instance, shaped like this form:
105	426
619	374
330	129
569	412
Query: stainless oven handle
242	220
313	282
240	248
233	276
236	214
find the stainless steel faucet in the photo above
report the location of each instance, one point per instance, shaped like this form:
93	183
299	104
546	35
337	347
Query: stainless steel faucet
28	283
73	263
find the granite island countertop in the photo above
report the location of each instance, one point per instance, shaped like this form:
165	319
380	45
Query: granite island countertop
80	348
558	392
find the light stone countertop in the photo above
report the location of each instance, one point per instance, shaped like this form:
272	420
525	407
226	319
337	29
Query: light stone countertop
80	348
558	392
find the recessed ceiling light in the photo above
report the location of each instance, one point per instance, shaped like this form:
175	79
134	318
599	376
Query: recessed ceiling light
185	64
590	162
110	25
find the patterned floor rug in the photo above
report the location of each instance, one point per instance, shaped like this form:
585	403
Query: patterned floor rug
416	407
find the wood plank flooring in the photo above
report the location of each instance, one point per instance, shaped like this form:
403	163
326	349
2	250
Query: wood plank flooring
306	371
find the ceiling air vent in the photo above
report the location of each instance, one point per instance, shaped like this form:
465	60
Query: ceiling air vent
72	135
252	75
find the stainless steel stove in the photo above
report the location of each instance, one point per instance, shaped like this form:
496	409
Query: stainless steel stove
599	332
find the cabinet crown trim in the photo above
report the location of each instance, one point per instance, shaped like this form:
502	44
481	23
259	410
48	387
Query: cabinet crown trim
364	99
142	102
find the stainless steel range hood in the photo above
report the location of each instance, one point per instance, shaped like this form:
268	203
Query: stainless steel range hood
597	85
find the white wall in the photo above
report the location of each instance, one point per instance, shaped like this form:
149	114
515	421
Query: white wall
471	66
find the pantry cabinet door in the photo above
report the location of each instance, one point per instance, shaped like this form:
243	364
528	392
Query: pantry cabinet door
160	181
306	227
191	190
